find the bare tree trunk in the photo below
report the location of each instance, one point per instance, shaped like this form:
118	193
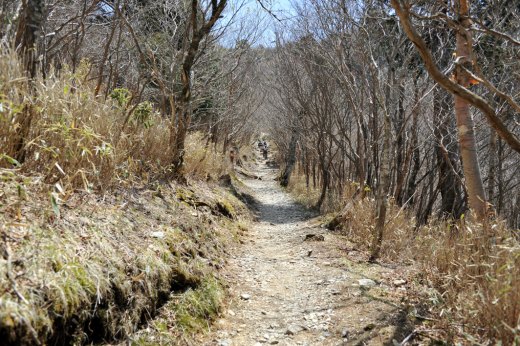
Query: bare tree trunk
500	177
452	204
291	158
401	161
325	182
415	158
492	165
361	151
465	125
105	53
404	194
382	199
463	97
29	26
181	114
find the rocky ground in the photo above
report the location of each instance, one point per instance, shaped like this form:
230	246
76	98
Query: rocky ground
294	283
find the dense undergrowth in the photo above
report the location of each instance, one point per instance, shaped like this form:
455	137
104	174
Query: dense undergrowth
467	273
84	141
94	240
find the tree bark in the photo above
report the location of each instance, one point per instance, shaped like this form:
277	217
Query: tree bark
29	26
452	86
382	199
291	158
452	204
465	125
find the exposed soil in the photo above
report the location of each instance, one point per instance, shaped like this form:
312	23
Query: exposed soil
290	291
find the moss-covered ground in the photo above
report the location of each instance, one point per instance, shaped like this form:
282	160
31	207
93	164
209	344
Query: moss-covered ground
82	268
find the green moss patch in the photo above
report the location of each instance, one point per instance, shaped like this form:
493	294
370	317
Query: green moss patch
185	314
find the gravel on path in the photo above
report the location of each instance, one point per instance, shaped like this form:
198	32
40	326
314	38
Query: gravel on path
288	291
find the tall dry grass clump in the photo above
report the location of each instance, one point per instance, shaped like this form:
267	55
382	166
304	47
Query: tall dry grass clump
13	97
201	161
475	271
303	193
472	269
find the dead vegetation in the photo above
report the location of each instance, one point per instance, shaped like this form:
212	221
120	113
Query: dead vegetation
83	142
467	274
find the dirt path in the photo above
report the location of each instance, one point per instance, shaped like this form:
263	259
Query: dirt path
288	291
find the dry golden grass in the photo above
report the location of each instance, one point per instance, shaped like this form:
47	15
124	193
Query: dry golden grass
201	161
471	271
13	91
304	195
475	271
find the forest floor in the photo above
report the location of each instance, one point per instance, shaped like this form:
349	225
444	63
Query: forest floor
286	289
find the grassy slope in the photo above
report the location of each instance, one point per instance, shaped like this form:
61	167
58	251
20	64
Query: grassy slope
96	268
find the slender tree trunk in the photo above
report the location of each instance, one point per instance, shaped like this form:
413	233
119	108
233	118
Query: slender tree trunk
29	26
500	177
325	182
448	167
181	114
415	158
465	125
401	194
382	199
492	165
105	54
291	158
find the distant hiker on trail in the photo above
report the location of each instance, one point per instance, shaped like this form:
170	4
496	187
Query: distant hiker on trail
232	155
264	149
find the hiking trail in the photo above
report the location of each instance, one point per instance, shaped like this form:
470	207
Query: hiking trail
286	290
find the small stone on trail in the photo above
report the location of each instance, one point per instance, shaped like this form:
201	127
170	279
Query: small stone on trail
231	312
345	333
159	235
366	283
245	296
224	343
314	237
399	282
274	342
292	330
309	253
